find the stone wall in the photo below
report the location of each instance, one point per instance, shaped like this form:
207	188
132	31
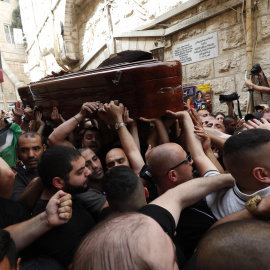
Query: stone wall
95	30
15	57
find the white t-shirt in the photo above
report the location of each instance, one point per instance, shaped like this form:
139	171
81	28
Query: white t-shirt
229	200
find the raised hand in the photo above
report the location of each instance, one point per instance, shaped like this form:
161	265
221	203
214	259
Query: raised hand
205	138
127	119
195	117
59	209
56	116
254	123
29	113
89	109
39	121
111	113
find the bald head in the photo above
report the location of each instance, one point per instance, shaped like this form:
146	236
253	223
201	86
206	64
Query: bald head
160	161
163	157
116	157
235	245
129	241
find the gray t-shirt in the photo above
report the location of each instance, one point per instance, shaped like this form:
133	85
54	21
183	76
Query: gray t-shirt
93	200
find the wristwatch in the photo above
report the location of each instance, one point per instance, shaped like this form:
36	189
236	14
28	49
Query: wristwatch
117	126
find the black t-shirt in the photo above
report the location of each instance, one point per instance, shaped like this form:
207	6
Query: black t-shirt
61	242
11	213
194	222
163	217
22	179
158	213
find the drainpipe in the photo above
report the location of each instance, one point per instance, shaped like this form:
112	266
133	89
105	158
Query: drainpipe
249	39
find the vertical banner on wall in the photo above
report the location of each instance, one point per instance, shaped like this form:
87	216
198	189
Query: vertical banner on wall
198	97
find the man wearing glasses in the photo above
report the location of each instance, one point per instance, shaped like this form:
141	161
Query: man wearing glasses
170	166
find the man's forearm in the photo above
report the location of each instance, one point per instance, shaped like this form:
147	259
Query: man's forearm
240	215
59	135
201	161
188	193
209	153
26	232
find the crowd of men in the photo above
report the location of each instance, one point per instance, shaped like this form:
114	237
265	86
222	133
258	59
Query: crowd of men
104	191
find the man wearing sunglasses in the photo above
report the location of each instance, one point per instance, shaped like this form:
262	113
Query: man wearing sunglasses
171	166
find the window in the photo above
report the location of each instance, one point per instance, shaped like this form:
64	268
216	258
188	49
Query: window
7	1
9	34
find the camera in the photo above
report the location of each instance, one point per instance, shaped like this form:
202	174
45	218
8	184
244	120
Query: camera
256	69
226	98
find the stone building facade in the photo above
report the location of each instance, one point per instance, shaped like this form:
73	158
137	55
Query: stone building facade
82	34
13	56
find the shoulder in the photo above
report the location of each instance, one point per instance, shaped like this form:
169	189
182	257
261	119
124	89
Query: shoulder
162	216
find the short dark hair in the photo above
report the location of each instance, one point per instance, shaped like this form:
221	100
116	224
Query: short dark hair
235	245
91	129
247	140
228	118
56	162
220	113
7	248
124	190
30	134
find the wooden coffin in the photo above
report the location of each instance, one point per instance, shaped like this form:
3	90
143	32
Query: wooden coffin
146	88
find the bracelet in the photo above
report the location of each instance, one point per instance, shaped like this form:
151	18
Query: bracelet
26	121
76	119
251	206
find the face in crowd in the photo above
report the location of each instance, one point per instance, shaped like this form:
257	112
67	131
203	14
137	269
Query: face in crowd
78	177
216	124
29	150
203	113
116	157
92	140
92	162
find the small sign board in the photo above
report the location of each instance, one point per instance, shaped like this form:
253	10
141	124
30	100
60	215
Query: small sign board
196	50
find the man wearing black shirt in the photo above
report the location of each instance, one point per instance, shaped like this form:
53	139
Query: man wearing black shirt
134	241
63	167
29	150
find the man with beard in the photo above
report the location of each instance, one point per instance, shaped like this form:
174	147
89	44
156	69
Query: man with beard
94	199
63	167
29	150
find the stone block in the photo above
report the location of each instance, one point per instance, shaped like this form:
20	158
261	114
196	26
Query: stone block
221	21
118	43
230	62
141	44
149	44
206	5
133	44
125	44
262	56
200	70
231	38
222	86
240	87
190	33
